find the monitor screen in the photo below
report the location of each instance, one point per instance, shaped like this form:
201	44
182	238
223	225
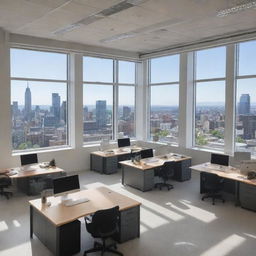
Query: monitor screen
66	184
145	153
220	159
124	142
28	159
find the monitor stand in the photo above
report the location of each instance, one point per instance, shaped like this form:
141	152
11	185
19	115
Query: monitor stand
64	198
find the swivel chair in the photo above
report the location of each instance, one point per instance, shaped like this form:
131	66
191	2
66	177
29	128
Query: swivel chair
165	172
104	225
213	184
5	182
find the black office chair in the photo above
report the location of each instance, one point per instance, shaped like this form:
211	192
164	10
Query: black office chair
103	224
28	159
165	172
145	153
213	184
5	182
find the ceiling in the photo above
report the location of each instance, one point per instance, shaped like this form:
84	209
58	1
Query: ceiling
143	26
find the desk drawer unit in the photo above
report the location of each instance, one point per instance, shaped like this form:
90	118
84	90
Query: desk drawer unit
106	165
129	224
182	170
57	239
142	180
247	196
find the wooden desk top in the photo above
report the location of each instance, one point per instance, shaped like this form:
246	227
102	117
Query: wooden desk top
32	170
116	151
99	198
154	162
228	172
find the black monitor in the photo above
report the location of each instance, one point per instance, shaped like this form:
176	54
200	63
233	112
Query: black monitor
220	159
28	159
145	153
65	185
124	142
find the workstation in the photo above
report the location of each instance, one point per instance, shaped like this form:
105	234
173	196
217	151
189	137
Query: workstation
127	127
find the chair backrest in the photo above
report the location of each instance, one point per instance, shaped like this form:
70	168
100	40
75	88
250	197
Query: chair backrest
145	153
211	179
167	169
28	159
105	222
220	159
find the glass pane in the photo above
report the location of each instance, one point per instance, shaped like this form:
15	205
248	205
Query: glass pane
164	114
97	70
247	58
165	69
126	110
38	64
211	63
246	115
97	112
39	114
126	71
210	115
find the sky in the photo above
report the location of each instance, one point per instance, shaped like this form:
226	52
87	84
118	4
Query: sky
210	64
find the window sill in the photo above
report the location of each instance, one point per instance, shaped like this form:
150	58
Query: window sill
208	150
42	150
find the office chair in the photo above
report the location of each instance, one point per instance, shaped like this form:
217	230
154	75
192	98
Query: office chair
5	182
103	224
165	172
145	153
213	184
28	159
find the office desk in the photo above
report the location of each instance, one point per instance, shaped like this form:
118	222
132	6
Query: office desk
28	177
141	176
245	190
57	226
107	161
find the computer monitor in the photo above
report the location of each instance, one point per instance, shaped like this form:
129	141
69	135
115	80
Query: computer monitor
125	142
28	159
220	159
145	153
64	185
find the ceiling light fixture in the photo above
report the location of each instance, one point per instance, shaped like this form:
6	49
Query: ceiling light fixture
121	6
235	9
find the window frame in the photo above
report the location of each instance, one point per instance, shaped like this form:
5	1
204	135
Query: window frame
67	82
115	86
150	84
195	81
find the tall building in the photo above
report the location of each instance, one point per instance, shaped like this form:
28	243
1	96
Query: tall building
101	113
126	112
27	108
56	106
244	104
15	108
64	111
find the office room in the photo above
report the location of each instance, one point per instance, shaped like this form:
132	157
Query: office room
127	127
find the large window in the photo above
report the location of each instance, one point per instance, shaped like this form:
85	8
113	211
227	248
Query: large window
39	99
126	98
210	72
164	103
245	139
108	85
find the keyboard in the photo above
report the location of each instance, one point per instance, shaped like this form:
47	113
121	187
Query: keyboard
75	202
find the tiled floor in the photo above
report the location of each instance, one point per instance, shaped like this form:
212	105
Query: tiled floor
174	222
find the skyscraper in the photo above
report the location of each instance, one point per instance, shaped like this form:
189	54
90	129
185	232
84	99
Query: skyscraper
56	106
126	112
101	113
244	104
64	111
27	108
